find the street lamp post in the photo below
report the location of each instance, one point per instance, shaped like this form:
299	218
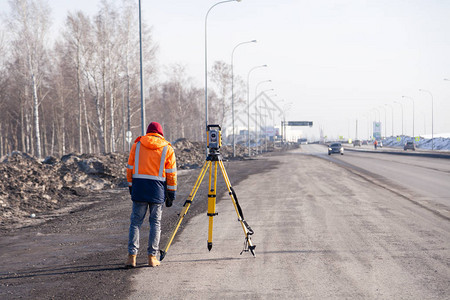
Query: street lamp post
141	74
432	118
392	122
206	64
406	97
248	104
232	91
401	105
265	116
256	111
286	106
260	111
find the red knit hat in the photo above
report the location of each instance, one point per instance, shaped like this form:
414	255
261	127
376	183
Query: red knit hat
155	127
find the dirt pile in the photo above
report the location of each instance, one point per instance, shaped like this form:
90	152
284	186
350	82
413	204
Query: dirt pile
32	188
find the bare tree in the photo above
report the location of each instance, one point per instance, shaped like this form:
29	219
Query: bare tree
76	36
61	99
221	77
29	24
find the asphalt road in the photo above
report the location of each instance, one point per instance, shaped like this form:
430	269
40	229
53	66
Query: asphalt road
324	228
423	179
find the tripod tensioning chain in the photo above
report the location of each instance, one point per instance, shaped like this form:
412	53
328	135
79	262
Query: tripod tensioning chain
212	163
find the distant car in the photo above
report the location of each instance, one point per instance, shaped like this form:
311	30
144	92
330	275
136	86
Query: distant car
365	142
336	148
302	141
357	143
409	145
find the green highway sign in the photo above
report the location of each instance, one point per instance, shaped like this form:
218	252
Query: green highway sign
300	123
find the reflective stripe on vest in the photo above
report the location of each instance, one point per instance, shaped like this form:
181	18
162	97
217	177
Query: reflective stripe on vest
136	158
143	176
163	160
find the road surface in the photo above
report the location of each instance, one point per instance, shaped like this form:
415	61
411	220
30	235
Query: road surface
321	231
326	227
425	180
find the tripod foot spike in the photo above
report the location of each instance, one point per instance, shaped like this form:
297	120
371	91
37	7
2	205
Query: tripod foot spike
162	254
209	246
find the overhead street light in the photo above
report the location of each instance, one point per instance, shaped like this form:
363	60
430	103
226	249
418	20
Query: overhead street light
248	104
206	63
406	97
432	118
232	92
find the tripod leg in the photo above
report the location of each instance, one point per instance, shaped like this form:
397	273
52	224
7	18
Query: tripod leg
186	206
211	201
245	227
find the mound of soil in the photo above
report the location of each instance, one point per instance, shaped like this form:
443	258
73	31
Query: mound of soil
31	188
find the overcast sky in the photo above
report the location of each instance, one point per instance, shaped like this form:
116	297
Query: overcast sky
335	60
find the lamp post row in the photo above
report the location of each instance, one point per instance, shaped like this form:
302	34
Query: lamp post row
232	82
206	63
413	117
256	111
232	92
248	105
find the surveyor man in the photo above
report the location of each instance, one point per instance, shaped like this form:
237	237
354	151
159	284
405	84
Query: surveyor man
152	180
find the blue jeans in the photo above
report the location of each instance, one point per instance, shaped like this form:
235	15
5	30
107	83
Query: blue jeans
137	217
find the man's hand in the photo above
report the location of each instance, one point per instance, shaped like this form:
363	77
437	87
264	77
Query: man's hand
169	198
168	202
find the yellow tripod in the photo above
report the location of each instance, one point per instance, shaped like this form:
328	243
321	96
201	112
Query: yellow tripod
213	161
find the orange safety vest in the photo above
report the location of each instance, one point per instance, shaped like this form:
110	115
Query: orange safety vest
151	168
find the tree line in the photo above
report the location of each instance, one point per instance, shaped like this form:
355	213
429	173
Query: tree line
80	91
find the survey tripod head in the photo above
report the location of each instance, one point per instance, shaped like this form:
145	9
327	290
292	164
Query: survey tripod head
213	138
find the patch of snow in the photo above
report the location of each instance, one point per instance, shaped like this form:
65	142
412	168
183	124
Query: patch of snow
438	143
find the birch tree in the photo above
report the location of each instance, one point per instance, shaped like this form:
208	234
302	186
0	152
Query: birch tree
221	77
29	24
77	30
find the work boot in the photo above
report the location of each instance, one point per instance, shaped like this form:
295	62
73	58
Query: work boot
153	261
131	262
